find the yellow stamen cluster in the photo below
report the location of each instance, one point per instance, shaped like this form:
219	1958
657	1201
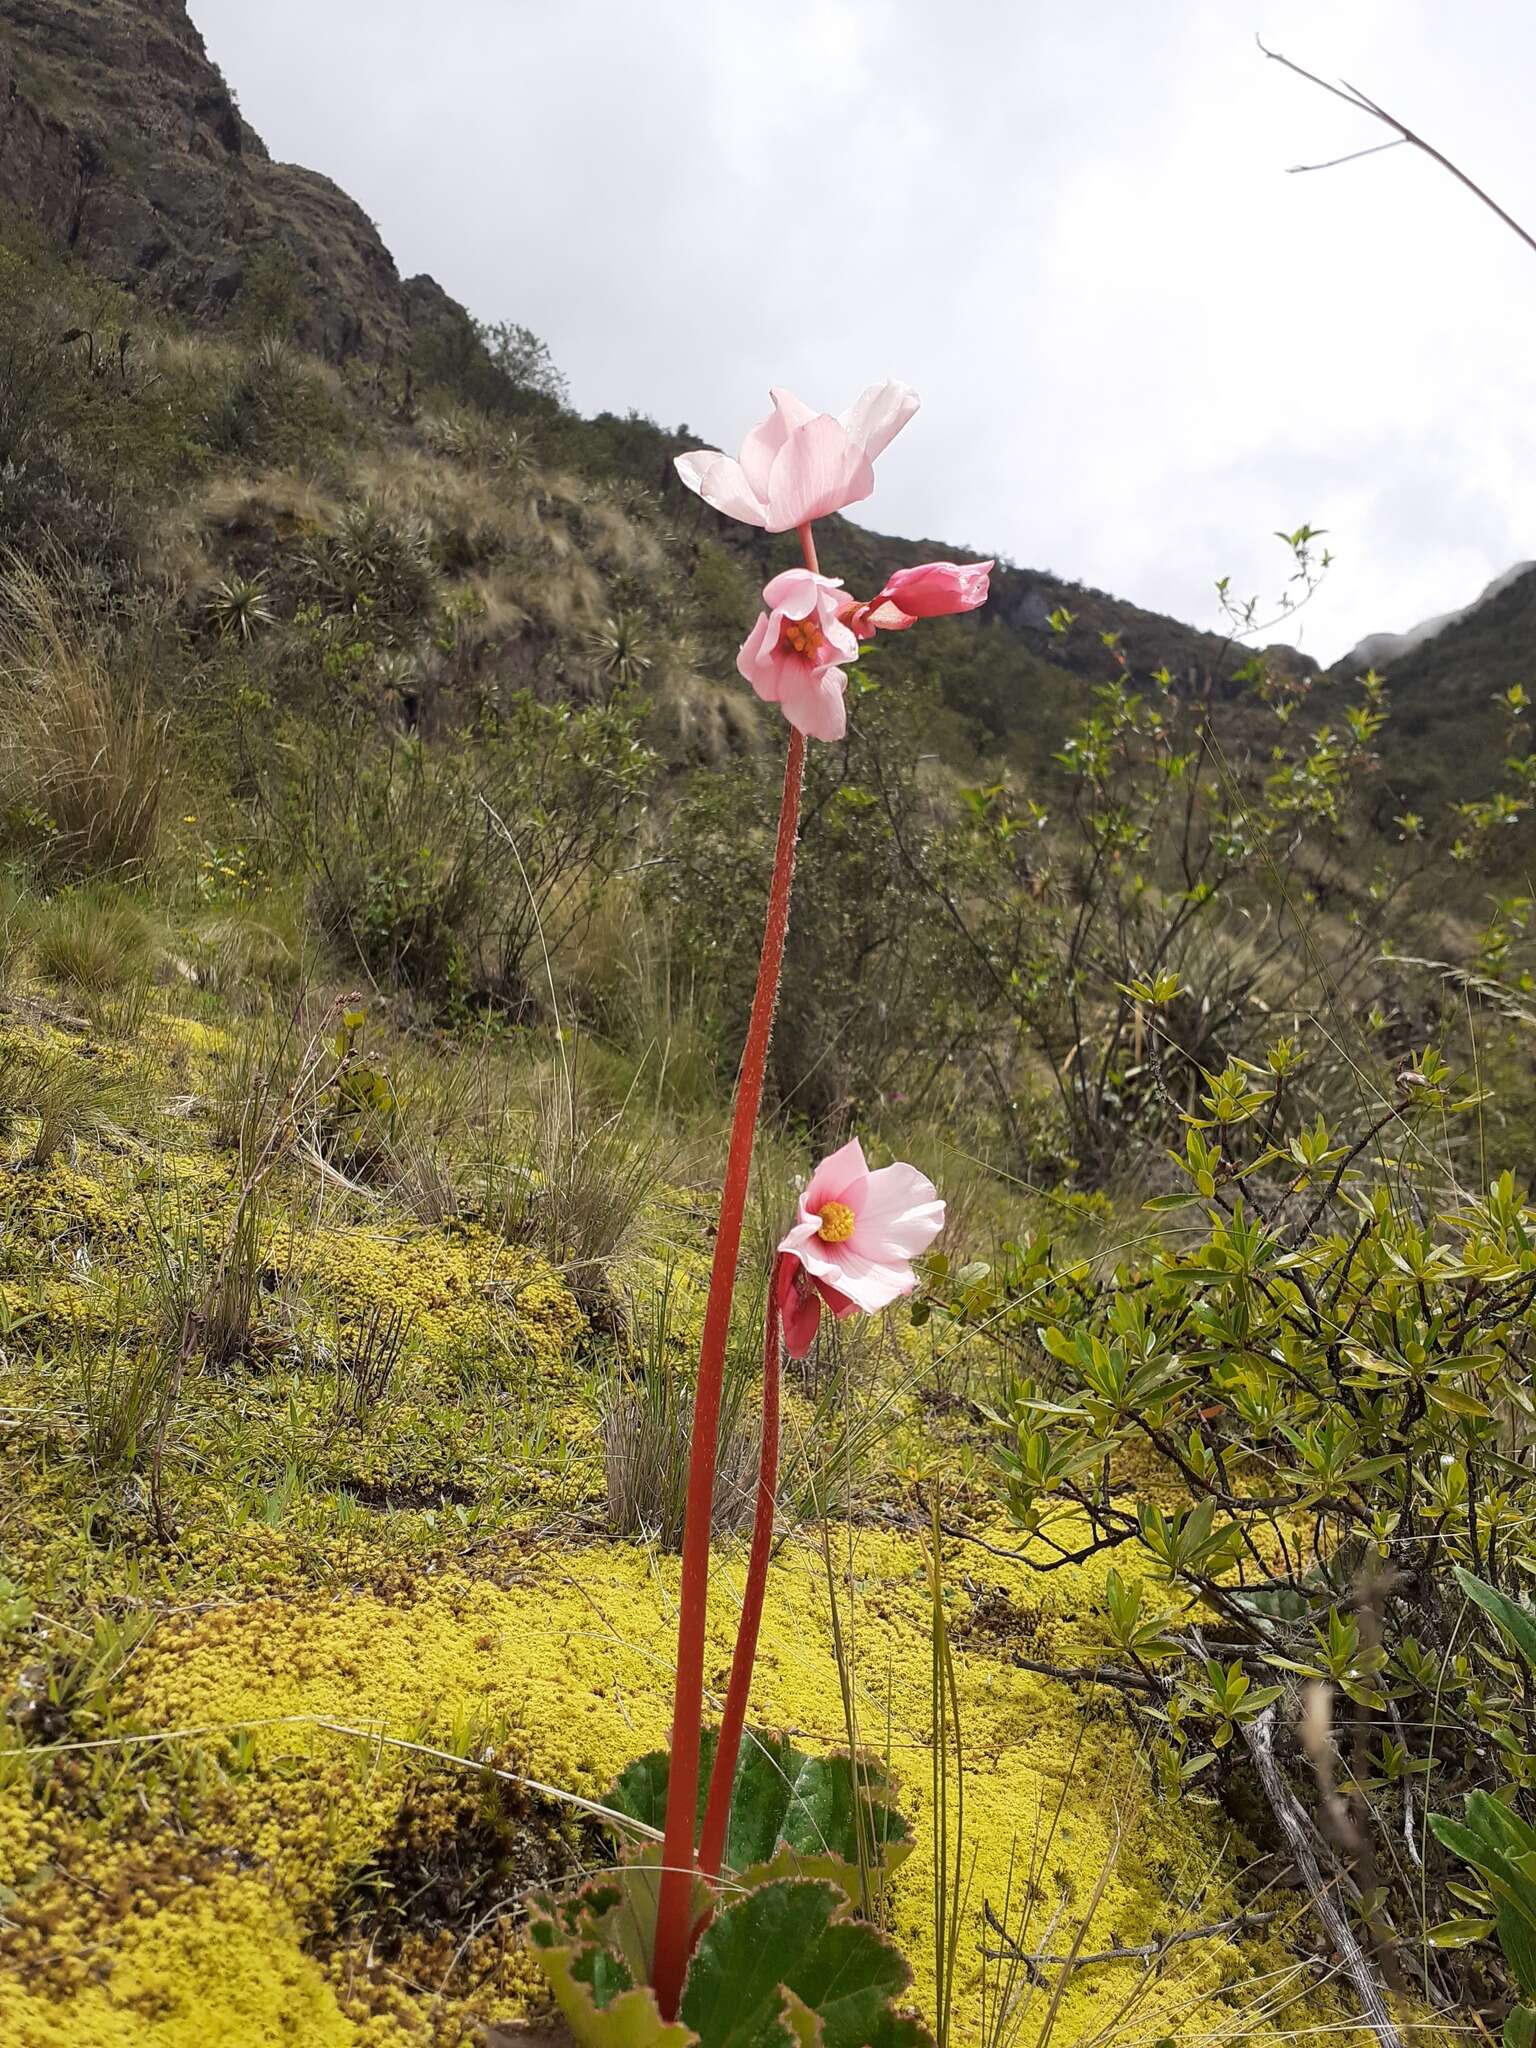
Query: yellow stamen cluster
804	636
836	1223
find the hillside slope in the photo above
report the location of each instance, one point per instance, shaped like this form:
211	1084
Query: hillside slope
1449	732
121	140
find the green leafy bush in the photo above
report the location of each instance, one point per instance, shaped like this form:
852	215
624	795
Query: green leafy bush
458	871
876	995
1291	1426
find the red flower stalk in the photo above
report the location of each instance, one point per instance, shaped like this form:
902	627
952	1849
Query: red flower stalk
722	1781
673	1929
795	467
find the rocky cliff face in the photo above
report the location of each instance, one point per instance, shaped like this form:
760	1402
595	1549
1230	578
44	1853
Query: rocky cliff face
120	138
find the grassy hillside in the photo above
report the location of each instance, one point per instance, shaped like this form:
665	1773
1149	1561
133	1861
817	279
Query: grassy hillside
384	833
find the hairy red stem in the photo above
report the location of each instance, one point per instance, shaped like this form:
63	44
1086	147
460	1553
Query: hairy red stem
722	1782
673	1926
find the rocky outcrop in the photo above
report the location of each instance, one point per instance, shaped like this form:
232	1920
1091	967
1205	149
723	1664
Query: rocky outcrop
121	140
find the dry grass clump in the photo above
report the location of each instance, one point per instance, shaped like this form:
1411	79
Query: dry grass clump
645	1409
572	1177
95	941
85	760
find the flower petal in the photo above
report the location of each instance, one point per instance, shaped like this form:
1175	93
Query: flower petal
900	1216
813	702
842	640
799	1308
757	663
934	590
721	483
794	412
869	1284
819	470
878	415
797	592
839	1172
799	1236
837	1301
769	436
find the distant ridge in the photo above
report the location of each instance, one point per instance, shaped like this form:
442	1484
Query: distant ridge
1380	650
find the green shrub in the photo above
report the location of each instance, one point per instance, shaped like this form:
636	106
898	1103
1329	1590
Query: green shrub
877	995
460	871
1290	1427
277	407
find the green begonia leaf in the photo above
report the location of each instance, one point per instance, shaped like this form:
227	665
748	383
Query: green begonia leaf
784	1966
791	1814
786	1950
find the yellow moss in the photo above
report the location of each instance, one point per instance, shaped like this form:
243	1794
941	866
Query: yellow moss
573	1663
194	1897
454	1281
223	1965
58	1200
200	1038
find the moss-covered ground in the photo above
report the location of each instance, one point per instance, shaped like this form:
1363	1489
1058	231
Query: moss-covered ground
291	1729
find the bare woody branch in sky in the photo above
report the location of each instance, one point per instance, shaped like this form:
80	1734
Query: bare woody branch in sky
1353	97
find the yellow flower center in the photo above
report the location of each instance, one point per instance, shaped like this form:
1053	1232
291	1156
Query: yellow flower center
804	636
836	1223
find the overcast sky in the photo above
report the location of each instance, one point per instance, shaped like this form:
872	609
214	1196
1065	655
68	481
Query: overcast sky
1141	346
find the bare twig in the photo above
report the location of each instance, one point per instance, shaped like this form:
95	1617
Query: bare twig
1094	1674
1259	1735
1353	97
1121	1952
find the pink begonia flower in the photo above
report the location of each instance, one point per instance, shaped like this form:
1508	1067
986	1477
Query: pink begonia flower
930	591
790	656
855	1241
799	465
934	589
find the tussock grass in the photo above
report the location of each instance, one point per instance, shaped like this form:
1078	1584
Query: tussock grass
85	759
367	1361
69	1096
645	1409
124	1384
243	955
209	1285
95	941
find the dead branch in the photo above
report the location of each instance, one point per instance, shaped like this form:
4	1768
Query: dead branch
1148	1952
1353	97
1259	1735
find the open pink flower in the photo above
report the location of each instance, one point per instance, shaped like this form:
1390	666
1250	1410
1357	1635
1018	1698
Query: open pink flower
799	465
790	656
855	1241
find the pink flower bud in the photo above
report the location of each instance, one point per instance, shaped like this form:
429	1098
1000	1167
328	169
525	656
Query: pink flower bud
934	589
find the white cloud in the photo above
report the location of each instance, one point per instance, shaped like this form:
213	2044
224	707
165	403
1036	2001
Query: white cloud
1141	345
